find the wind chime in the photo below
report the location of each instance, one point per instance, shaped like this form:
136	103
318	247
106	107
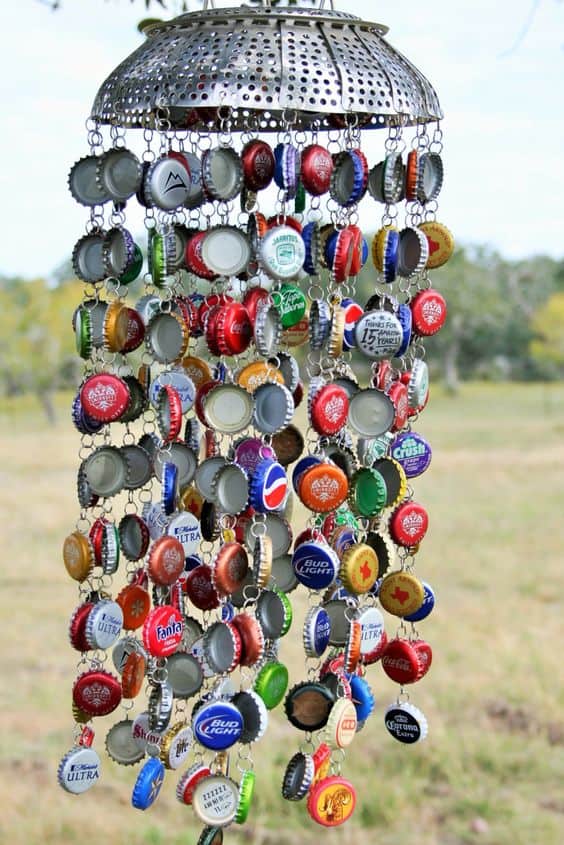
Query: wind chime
239	133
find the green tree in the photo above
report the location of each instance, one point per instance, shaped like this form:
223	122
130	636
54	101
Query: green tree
547	346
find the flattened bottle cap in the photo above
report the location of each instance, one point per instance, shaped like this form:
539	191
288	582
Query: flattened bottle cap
119	174
291	304
121	746
228	408
78	556
215	799
106	471
408	524
162	631
281	254
273	407
97	692
378	334
329	409
87	257
359	568
79	770
271	683
148	784
230	568
222	173
371	413
167	183
331	801
401	593
226	250
406	723
185	674
308	705
298	777
323	487
316	631
83	184
441	243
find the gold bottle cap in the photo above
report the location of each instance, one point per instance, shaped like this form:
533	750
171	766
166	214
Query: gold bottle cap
257	373
192	501
262	560
338	322
378	247
198	370
116	323
359	568
78	556
176	745
401	593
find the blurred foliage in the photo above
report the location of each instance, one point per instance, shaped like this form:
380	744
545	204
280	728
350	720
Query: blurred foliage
547	345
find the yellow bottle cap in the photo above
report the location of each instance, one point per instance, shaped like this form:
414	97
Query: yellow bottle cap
78	556
359	568
257	373
401	593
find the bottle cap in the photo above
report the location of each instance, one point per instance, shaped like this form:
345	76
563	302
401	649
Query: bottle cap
395	479
331	801
315	565
273	407
78	556
83	184
401	593
308	705
378	334
413	252
176	745
215	799
406	661
393	178
349	178
323	487
269	486
222	173
79	770
427	606
274	613
408	524
88	259
271	683
104	624
106	471
372	633
228	408
217	725
234	329
189	780
429	312
440	241
166	337
258	164
148	784
254	713
226	250
162	631
104	397
316	169
199	588
341	724
185	674
298	777
252	639
246	791
222	647
281	255
413	452
406	723
167	183
121	746
77	626
166	560
359	568
418	385
97	692
329	409
230	568
119	174
133	675
368	492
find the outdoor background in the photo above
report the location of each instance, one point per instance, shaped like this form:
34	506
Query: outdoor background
492	769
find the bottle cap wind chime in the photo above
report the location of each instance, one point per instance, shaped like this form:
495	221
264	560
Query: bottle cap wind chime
239	133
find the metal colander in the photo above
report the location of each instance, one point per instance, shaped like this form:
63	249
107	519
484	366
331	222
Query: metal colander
266	67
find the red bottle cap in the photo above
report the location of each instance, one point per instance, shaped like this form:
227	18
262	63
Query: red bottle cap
200	399
356	262
253	298
97	692
209	302
133	675
409	524
382	375
166	561
230	568
252	639
429	311
398	395
258	165
200	589
406	662
135	331
77	626
329	409
316	169
194	261
234	329
343	259
104	397
331	801
276	220
96	535
210	328
171	410
162	631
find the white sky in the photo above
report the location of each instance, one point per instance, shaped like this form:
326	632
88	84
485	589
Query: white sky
504	139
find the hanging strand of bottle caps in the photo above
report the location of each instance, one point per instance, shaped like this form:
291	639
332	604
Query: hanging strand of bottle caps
192	457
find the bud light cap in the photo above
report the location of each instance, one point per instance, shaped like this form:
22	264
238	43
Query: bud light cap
316	566
148	784
218	725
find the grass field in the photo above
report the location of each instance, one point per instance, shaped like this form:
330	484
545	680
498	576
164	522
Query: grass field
492	769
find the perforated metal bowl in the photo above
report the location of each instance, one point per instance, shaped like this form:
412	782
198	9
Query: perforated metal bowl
267	65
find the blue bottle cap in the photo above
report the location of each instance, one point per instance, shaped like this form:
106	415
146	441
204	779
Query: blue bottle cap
310	235
316	631
405	317
227	612
364	252
219	372
301	466
192	561
413	453
148	784
362	697
330	247
391	253
217	725
315	566
427	606
169	487
279	165
269	486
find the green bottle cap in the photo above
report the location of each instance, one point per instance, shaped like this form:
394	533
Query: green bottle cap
246	790
291	304
211	836
271	683
133	270
288	611
344	516
83	332
368	493
300	200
